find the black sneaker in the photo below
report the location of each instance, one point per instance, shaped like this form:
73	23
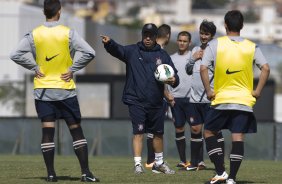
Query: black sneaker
183	165
191	167
51	178
89	177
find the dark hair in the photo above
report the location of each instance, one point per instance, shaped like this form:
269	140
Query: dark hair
234	20
184	33
51	8
208	27
164	30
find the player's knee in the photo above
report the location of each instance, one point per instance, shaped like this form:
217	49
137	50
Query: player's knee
197	129
73	126
48	118
73	122
179	129
138	136
208	133
158	137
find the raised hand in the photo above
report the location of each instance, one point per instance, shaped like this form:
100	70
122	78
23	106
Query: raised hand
105	39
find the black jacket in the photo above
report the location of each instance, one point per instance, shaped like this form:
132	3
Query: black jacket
141	87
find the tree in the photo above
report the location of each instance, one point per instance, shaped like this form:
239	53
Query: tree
12	94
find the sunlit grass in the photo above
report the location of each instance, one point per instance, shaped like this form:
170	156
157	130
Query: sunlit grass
31	170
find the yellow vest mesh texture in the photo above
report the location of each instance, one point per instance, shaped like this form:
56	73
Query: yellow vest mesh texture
52	56
233	79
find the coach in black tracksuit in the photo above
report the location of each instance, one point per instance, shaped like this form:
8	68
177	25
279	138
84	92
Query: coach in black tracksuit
143	93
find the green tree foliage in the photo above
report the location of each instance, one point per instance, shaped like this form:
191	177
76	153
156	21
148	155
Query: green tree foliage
13	94
133	11
250	16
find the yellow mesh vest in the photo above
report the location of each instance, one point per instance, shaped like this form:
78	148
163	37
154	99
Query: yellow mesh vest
233	78
52	56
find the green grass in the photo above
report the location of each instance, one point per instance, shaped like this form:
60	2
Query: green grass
31	170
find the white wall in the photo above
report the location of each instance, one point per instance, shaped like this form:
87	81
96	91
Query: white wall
9	20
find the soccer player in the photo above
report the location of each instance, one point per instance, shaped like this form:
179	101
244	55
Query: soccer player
143	93
58	52
198	99
178	98
163	37
233	97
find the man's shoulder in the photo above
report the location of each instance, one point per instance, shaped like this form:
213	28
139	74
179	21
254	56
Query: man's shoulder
131	47
174	55
196	48
213	43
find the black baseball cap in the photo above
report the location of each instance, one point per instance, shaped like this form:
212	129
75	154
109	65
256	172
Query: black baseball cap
150	28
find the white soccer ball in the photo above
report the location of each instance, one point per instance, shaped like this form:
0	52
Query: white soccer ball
163	72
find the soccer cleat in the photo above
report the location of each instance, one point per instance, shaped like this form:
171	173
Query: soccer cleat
230	181
163	168
219	178
138	169
51	178
89	177
149	166
182	165
191	167
201	166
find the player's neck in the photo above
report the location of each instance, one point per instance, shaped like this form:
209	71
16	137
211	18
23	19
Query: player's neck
182	52
162	43
231	33
54	19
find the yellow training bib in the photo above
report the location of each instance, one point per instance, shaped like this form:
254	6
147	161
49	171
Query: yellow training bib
52	56
233	76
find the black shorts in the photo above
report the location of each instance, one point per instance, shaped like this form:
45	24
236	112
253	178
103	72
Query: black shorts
147	120
67	109
180	112
198	113
235	120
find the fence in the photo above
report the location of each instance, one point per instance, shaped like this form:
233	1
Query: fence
113	138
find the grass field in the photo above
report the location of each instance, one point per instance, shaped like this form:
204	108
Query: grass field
31	170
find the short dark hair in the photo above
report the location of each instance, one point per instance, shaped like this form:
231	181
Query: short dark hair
208	27
234	20
185	33
163	31
51	8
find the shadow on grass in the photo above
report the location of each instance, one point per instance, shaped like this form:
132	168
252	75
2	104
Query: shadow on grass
184	169
62	178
